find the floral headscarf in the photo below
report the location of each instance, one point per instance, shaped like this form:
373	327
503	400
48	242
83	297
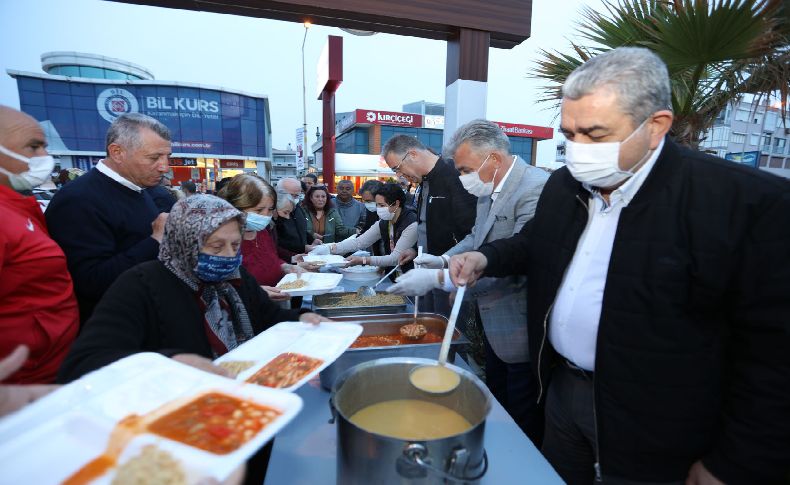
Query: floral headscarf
190	223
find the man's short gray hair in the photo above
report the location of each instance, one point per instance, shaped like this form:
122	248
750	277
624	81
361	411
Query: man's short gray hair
400	144
637	76
125	130
482	136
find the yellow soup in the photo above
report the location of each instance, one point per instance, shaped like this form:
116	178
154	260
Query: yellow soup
436	379
410	419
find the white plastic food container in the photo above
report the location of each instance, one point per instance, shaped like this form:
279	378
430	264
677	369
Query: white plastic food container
317	283
361	273
54	437
325	341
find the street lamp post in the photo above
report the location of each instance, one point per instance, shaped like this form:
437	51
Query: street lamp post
304	102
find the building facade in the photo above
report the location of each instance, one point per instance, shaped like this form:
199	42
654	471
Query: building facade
753	134
216	132
365	132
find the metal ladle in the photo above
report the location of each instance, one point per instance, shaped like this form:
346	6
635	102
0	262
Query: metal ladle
438	379
413	328
364	291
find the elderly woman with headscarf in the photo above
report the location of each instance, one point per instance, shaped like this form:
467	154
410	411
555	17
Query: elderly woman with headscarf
194	303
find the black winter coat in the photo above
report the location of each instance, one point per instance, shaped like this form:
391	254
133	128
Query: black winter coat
451	209
693	347
292	232
148	309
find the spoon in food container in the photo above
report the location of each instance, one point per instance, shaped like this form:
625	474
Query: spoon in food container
414	331
438	379
364	291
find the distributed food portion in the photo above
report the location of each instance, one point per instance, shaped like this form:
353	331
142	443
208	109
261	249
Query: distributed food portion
152	466
410	419
285	370
236	367
293	285
353	300
215	422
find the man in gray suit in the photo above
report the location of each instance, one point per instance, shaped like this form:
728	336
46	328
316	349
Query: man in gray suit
508	189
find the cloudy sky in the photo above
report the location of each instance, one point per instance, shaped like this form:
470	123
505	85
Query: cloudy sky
264	56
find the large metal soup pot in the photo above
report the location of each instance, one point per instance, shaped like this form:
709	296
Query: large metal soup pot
367	458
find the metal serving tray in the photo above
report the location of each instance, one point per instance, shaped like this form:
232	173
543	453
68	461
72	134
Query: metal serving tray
322	305
390	325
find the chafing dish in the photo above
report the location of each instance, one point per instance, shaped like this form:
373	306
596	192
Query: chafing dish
390	325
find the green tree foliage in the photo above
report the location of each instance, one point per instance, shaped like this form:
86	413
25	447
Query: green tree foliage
716	51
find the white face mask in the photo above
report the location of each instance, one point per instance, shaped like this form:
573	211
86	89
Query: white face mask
39	170
371	206
257	222
384	213
598	164
474	185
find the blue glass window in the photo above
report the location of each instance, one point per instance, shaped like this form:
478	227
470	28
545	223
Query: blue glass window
30	84
93	72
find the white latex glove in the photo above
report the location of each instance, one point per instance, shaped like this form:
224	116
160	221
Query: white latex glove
292	268
429	261
320	250
416	282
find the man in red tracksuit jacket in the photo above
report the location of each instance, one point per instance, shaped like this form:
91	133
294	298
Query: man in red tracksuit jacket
37	304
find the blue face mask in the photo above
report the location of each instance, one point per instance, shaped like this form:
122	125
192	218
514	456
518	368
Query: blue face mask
212	268
257	222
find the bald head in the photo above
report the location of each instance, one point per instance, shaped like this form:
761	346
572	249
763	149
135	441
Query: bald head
19	133
289	186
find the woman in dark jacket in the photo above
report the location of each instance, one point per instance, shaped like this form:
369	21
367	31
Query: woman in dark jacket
193	304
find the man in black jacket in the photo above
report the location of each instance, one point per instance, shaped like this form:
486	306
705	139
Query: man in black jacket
658	282
105	221
445	210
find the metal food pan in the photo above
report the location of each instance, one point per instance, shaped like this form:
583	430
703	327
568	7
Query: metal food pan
322	304
390	325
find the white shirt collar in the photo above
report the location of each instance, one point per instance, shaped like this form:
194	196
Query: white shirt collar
626	192
501	183
106	170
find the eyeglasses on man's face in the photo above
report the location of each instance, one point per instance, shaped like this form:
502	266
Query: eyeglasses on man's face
398	168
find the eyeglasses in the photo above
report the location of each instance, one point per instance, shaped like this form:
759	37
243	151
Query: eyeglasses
397	168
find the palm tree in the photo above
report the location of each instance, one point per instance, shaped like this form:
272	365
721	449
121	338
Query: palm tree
715	52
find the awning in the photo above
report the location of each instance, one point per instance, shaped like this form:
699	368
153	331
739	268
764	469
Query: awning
361	165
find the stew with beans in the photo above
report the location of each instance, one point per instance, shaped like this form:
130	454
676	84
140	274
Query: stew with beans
214	422
285	370
392	340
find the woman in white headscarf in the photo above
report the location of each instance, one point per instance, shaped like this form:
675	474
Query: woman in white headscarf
193	304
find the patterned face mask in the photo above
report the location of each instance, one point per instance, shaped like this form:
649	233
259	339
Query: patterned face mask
212	268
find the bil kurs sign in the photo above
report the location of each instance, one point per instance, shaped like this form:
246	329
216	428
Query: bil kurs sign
201	120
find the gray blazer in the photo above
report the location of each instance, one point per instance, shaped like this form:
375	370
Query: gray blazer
503	301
